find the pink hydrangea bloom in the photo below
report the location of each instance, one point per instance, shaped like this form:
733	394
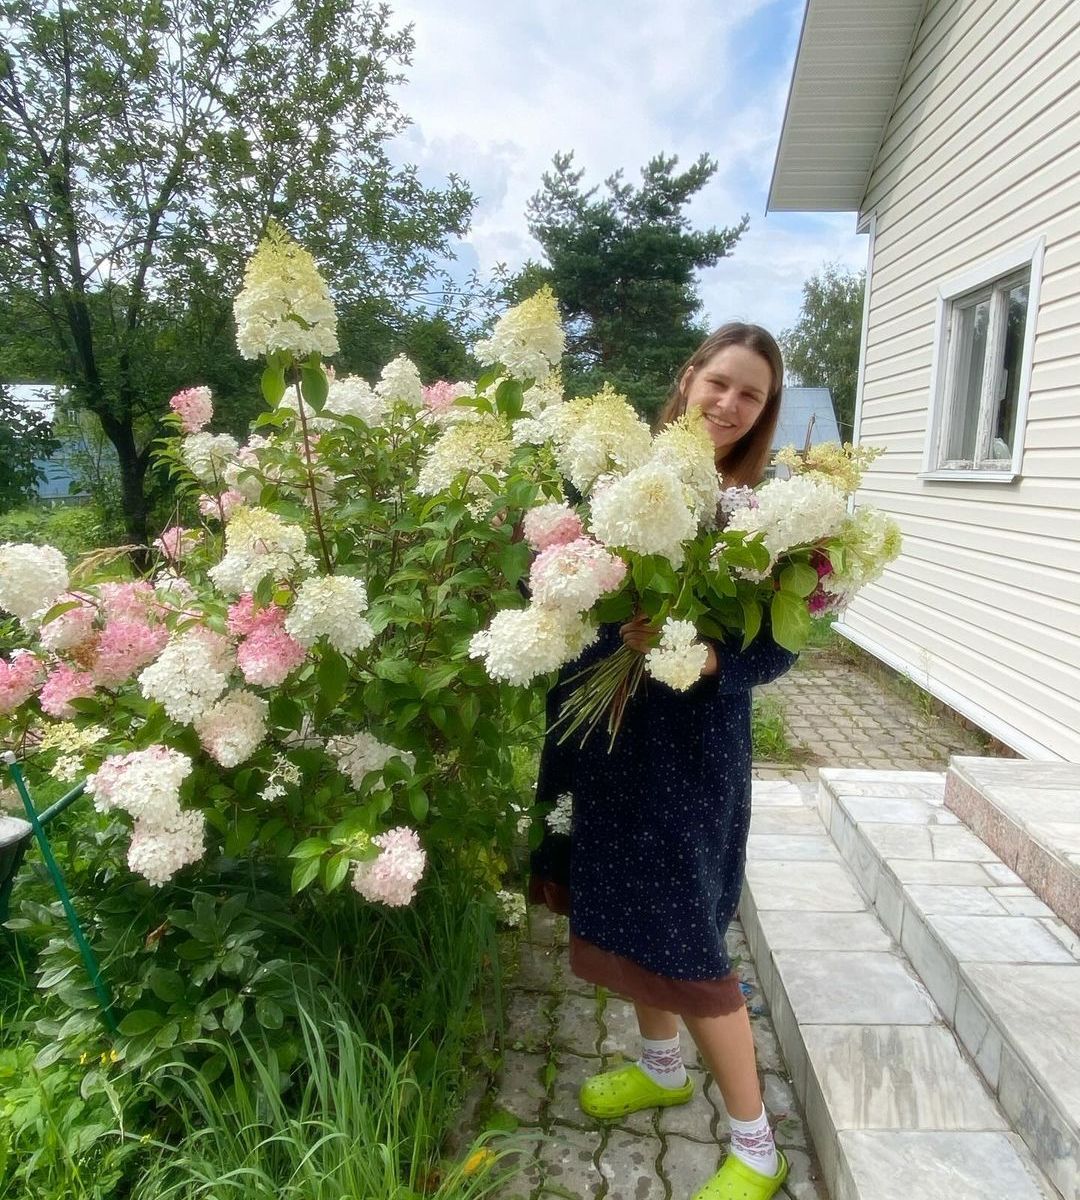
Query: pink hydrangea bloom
124	647
18	679
221	508
268	655
575	575
176	541
551	525
440	396
244	618
391	878
135	601
64	685
72	628
194	406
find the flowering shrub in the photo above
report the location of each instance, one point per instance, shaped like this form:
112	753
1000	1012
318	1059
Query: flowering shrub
293	688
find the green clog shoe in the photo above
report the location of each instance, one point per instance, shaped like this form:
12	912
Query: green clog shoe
628	1089
736	1181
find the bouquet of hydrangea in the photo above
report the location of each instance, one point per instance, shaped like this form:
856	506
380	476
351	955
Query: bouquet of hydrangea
652	533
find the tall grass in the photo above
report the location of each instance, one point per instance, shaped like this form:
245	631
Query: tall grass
353	1123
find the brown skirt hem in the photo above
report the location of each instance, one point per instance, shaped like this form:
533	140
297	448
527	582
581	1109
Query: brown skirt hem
687	997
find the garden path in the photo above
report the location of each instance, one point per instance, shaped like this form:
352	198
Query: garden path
558	1029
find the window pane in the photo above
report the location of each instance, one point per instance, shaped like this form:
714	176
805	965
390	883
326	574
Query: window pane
1003	427
971	327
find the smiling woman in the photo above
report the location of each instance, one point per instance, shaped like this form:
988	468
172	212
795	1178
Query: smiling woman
735	378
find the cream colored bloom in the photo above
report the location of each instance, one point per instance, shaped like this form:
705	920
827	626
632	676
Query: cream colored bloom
596	435
528	339
284	303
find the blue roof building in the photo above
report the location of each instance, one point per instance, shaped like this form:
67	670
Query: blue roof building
802	409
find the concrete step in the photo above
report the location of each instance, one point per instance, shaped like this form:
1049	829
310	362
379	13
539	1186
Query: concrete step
1028	813
896	1109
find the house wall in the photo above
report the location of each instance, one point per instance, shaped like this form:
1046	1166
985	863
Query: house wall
981	154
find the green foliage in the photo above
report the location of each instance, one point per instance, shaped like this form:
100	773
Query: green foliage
73	528
623	265
183	133
25	438
822	348
768	732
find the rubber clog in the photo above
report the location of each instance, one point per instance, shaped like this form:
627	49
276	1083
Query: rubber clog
628	1089
736	1181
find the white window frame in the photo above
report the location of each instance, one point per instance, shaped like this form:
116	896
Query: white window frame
985	277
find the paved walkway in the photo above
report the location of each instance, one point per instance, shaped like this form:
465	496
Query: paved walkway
559	1029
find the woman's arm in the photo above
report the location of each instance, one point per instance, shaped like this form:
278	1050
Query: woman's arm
738	670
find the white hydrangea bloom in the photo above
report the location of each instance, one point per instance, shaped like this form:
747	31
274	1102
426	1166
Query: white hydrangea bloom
331	605
528	339
238	473
284	303
561	817
521	644
400	383
353	396
356	754
685	447
793	512
234	728
645	511
596	435
480	444
143	783
259	543
159	849
680	657
31	578
207	455
189	675
871	540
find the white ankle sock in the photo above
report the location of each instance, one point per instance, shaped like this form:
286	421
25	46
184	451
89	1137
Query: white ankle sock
752	1142
661	1060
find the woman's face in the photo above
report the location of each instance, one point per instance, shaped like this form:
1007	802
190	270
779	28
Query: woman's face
730	389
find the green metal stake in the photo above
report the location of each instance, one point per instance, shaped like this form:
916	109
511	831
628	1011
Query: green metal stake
88	957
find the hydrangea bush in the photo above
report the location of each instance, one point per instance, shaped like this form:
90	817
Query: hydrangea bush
292	688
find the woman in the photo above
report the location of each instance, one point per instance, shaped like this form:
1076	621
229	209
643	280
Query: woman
651	873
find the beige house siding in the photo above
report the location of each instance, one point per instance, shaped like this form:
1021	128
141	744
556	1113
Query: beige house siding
981	156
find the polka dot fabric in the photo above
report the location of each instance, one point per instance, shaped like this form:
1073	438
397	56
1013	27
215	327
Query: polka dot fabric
654	862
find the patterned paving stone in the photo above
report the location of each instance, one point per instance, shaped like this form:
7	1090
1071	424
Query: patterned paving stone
687	1165
577	1025
628	1163
522	1091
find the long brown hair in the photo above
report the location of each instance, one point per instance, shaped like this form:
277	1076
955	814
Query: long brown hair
746	461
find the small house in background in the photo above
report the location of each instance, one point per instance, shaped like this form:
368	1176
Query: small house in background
953	131
58	480
805	412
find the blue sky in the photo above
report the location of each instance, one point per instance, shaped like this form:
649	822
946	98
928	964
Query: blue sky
495	89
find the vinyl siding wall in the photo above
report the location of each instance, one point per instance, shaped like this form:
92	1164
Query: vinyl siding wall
981	155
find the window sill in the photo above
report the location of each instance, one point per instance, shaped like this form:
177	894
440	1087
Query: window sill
969	476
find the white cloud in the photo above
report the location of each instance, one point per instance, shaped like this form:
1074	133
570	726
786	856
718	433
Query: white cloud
496	89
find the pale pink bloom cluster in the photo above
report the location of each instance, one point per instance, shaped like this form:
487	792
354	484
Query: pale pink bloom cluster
267	654
125	646
551	525
440	396
391	878
134	601
358	753
575	575
221	508
146	785
194	407
234	728
18	679
176	541
65	683
72	628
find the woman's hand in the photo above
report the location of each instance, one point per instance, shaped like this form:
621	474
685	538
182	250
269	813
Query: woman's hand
638	634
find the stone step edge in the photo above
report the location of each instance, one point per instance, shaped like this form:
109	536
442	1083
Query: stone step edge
1027	1099
838	1150
1054	879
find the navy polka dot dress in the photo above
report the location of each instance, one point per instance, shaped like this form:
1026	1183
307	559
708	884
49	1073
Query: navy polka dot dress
652	870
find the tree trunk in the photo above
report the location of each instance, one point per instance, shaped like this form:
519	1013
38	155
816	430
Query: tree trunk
132	475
